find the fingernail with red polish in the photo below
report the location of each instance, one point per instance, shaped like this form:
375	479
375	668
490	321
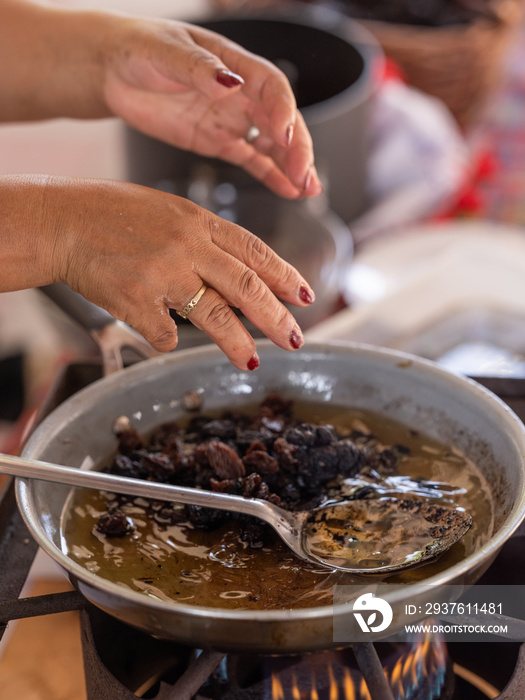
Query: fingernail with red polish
289	134
253	362
306	294
296	338
319	185
308	180
228	79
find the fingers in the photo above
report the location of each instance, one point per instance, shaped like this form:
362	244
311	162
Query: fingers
216	318
196	89
245	273
264	83
272	106
281	277
152	321
289	172
179	57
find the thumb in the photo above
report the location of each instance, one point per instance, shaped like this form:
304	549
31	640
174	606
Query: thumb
192	65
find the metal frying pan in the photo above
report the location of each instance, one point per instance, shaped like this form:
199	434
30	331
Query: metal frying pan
417	392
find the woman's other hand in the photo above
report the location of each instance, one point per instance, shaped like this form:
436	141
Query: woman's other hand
197	90
138	253
174	81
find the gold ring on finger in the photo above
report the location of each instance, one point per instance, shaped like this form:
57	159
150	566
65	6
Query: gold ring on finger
193	302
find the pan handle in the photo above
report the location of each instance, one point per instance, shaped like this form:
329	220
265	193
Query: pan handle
111	336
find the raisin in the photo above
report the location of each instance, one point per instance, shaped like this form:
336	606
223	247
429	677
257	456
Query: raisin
206	518
125	466
164	435
129	441
159	466
115	524
261	462
224	461
285	453
223	429
251	485
225	486
278	405
256	446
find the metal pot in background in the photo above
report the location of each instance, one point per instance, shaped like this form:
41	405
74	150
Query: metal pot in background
332	63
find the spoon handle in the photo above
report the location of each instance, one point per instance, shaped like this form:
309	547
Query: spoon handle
35	469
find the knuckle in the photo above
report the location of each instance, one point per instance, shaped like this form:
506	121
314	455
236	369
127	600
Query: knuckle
251	286
197	59
283	319
258	252
288	275
163	339
219	317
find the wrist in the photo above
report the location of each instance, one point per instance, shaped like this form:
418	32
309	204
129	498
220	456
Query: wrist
33	249
51	61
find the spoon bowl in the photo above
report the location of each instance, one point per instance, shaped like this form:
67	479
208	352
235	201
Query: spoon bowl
368	535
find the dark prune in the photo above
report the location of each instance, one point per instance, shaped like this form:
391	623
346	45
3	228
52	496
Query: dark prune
302	435
223	429
325	435
261	462
114	524
271	455
224	461
252	532
129	441
158	465
123	465
164	435
247	437
206	518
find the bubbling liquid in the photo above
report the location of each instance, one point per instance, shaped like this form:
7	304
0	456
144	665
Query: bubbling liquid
216	569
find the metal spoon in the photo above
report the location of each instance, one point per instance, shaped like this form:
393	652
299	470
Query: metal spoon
378	535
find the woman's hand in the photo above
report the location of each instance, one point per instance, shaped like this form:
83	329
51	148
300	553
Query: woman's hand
138	253
197	90
171	80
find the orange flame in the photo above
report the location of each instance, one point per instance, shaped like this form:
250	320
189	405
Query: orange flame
296	693
277	688
348	685
426	658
